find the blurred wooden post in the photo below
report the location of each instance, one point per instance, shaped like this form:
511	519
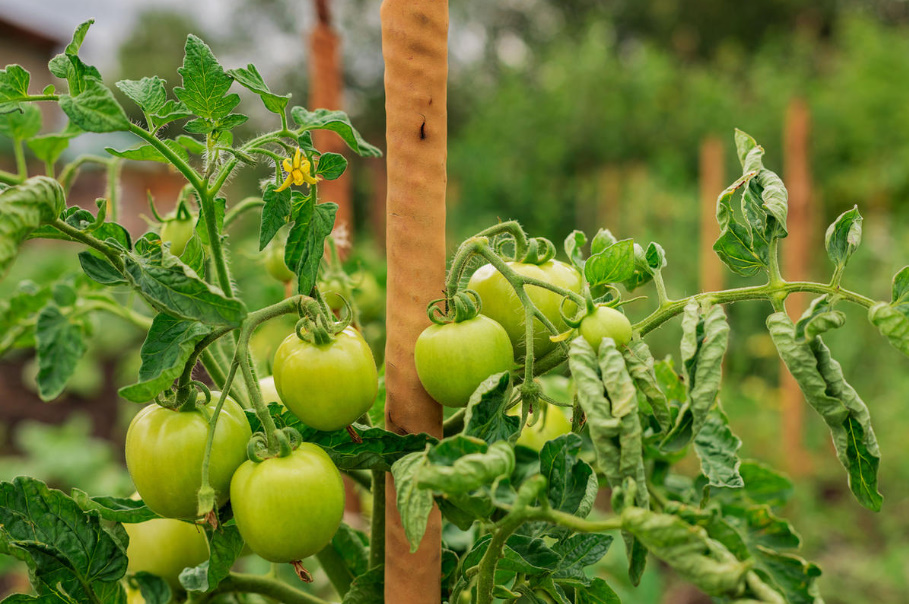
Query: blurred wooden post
326	92
712	183
796	250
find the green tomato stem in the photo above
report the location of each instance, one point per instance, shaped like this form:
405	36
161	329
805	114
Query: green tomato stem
89	240
272	588
377	522
8	178
191	175
113	197
212	424
21	166
68	174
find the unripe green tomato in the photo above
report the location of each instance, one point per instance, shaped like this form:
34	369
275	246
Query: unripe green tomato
554	425
288	508
269	392
328	386
164	547
274	263
454	358
605	322
332	291
501	304
177	232
164	451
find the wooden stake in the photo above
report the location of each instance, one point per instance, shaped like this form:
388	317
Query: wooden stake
327	90
796	267
712	183
415	49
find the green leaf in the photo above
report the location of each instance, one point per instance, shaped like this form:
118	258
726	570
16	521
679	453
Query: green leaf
717	449
892	323
60	345
306	243
114	509
191	144
67	549
147	152
843	237
331	166
336	121
613	264
573	244
705	337
819	318
18	313
578	552
225	545
22	124
100	269
49	147
900	295
469	472
148	93
368	588
640	364
229	122
171	111
414	503
167	348
199	126
205	83
275	212
764	485
569	478
353	547
193	255
153	588
826	390
14	82
485	416
598	592
23	208
95	109
688	550
70	67
174	288
251	79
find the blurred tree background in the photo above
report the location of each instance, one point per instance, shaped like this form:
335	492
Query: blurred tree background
588	114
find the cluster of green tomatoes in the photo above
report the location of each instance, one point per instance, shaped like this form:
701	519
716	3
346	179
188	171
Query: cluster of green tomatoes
287	506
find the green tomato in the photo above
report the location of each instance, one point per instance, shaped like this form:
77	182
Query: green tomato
269	392
553	425
288	508
164	451
605	322
453	359
274	263
164	547
501	304
177	232
328	386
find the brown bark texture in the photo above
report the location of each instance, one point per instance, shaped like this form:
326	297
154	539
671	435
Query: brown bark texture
415	49
712	183
326	92
797	251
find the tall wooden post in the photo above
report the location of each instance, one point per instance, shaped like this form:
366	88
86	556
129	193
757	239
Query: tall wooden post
327	91
415	49
796	267
712	180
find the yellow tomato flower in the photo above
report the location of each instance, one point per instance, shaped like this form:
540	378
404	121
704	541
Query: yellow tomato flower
297	171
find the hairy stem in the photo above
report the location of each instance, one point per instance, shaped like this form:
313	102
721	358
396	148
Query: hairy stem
272	588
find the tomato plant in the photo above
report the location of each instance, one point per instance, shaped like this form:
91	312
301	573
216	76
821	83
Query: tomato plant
523	514
279	520
164	451
164	547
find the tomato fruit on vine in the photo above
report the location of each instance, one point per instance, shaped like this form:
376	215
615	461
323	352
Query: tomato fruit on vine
328	386
454	358
288	508
274	263
269	392
605	322
501	303
164	547
165	448
177	232
552	425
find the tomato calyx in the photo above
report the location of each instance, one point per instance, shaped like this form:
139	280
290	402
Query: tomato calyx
317	326
287	439
463	306
539	251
